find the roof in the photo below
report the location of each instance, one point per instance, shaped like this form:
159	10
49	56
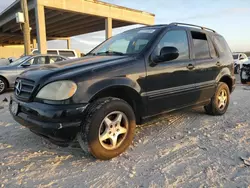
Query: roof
66	18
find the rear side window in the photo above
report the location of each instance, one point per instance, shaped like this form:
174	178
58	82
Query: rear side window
212	49
54	59
39	60
201	48
222	45
52	52
67	53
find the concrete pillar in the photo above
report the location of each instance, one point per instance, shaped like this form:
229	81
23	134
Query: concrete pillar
34	43
68	43
108	27
26	27
41	28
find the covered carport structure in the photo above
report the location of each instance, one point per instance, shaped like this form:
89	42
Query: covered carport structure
61	19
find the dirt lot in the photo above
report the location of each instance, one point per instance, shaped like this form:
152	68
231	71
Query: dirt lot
181	149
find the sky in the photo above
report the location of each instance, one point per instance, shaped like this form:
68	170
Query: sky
230	18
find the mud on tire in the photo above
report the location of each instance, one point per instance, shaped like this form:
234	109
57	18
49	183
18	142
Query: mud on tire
213	108
89	136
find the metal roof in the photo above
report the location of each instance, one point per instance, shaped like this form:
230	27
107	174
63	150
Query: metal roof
66	18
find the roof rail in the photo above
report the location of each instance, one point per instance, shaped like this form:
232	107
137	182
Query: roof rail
191	25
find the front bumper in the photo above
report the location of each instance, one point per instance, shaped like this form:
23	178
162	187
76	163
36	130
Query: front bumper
57	122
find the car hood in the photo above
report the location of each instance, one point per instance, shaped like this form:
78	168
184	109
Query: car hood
73	66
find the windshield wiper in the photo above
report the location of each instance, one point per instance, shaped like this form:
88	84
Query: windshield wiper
111	53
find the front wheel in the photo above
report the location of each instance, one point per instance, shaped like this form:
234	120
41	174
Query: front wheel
3	85
108	128
220	101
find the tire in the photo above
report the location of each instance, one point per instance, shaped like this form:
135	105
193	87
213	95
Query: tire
95	127
3	85
214	107
243	81
237	69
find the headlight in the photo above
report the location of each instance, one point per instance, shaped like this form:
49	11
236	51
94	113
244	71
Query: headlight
59	90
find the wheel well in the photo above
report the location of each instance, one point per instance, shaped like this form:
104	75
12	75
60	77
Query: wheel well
5	81
228	81
125	93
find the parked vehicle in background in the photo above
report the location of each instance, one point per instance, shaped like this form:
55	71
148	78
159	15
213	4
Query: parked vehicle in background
9	73
125	81
239	59
71	54
4	61
245	72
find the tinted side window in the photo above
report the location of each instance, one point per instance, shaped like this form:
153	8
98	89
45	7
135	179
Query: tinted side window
39	60
177	39
54	59
222	45
212	49
201	48
67	53
52	52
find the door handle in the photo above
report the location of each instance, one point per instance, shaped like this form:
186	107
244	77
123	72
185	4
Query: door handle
190	66
218	64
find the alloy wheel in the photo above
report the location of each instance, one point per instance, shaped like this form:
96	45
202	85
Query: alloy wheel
2	86
113	130
222	99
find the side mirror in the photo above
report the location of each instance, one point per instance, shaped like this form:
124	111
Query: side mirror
241	58
26	64
167	53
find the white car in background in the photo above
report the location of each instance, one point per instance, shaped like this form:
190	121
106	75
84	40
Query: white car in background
71	54
239	59
245	72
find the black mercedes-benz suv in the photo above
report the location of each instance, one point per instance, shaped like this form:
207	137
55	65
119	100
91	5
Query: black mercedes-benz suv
124	81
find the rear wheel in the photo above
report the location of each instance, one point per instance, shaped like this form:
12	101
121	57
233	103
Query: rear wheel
3	85
220	101
108	128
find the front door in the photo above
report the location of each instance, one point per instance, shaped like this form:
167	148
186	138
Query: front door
170	84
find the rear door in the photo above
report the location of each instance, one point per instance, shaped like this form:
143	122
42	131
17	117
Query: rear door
207	64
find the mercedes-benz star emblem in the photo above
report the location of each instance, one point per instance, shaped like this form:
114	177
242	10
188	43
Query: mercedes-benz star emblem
18	87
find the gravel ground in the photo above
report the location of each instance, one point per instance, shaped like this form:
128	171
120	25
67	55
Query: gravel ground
182	149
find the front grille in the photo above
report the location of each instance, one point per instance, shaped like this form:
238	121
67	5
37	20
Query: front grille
26	89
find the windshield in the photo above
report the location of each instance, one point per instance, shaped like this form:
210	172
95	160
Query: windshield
129	42
19	61
235	56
